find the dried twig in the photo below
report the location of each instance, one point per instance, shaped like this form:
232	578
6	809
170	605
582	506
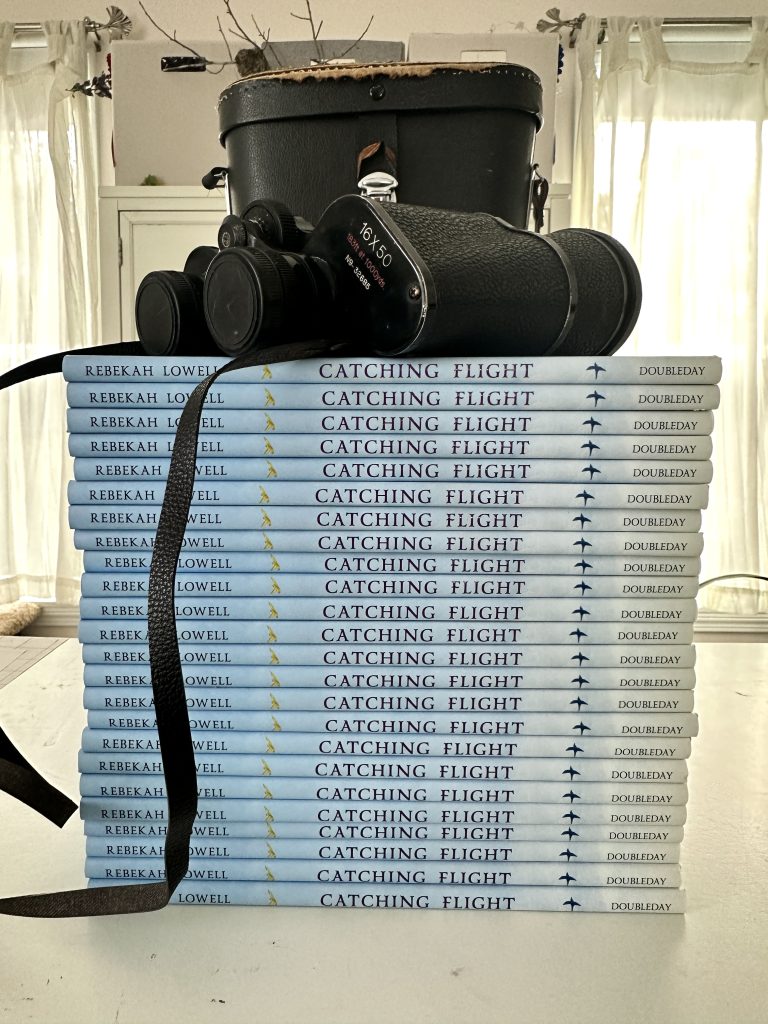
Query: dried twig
240	30
208	64
223	36
167	35
363	34
264	36
315	30
253	58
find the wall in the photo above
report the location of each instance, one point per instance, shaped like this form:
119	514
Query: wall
395	19
167	125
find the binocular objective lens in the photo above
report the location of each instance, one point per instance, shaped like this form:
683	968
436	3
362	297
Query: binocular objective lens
169	314
243	299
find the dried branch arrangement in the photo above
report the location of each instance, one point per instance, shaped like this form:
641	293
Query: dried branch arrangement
259	54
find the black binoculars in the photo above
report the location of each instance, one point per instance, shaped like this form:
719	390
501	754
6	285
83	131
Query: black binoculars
393	280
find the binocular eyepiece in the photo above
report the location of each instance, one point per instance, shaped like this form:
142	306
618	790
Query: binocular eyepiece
395	280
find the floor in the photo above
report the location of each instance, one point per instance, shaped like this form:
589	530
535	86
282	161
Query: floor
18	653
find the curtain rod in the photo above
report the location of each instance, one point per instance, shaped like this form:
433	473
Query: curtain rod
554	23
118	24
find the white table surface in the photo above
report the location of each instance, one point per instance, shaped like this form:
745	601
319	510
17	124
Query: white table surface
240	964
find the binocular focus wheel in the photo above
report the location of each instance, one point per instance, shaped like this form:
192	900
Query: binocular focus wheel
603	293
274	224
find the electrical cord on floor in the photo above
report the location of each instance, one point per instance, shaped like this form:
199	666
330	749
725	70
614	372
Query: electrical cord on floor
733	576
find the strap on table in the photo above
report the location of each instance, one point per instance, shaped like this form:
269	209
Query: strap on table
174	734
52	363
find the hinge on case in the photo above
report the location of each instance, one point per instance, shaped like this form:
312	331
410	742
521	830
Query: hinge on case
379	185
119	252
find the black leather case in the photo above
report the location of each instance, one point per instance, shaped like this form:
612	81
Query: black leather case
455	136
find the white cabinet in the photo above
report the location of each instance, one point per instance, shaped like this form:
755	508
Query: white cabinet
557	211
148	228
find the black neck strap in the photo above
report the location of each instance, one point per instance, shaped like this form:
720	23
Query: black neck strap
52	363
18	778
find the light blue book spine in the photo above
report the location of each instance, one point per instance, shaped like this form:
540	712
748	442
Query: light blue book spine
664	448
140	743
240	775
249	838
416	521
423	872
460	396
460	495
236	612
348	623
111	810
317	698
645	424
304	841
563	655
572	471
598	899
630	679
561	793
437	551
593	587
552	370
472	610
533	723
289	632
568	583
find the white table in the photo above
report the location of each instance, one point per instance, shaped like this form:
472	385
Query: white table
238	964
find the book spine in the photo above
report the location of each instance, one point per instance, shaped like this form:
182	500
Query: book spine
662	448
99	615
438	552
136	812
240	775
103	741
671	678
424	873
476	610
464	397
418	495
289	631
311	525
545	723
317	699
314	894
595	588
551	370
563	793
345	656
644	424
256	839
531	578
572	471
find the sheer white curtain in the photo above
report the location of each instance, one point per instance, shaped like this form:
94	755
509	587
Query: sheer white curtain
48	297
672	159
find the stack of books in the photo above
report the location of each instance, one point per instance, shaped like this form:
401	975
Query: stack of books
435	619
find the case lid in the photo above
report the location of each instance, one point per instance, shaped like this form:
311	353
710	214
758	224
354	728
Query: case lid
331	90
